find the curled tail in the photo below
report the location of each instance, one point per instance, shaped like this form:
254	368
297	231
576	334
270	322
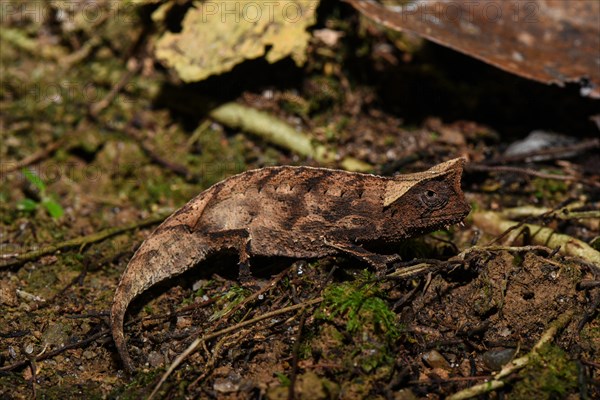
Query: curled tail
171	249
161	256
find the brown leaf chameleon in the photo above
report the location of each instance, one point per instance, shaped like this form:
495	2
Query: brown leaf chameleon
297	212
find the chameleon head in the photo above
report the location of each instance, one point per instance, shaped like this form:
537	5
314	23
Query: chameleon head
428	200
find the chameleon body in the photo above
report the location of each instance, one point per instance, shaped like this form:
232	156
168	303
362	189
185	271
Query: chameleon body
297	212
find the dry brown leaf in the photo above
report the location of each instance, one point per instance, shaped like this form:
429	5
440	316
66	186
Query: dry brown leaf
551	41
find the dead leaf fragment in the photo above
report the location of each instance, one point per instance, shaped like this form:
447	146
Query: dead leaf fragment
328	36
550	41
216	36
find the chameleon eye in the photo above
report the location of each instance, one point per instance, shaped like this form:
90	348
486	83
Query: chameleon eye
432	199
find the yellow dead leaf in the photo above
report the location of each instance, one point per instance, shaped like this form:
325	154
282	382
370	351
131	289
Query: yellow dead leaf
216	36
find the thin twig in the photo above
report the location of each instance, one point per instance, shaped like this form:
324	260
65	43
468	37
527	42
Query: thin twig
591	311
201	340
256	294
518	170
449	380
33	158
295	351
53	353
516	364
33	368
419	267
520	224
31	255
492	222
512	249
96	108
559	152
178	169
591	363
564	213
217	348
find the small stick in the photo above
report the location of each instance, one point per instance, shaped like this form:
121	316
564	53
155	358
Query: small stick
518	170
96	108
516	364
76	242
201	340
564	213
58	351
492	222
33	158
295	351
33	368
256	294
178	169
213	356
557	152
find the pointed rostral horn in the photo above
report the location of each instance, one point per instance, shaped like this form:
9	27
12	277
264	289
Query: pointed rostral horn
401	184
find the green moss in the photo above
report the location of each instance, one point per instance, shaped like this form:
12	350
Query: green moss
362	328
309	386
517	260
358	303
485	301
323	93
141	386
546	189
231	298
84	390
283	379
218	158
549	375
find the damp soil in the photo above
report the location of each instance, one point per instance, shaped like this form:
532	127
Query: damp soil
319	329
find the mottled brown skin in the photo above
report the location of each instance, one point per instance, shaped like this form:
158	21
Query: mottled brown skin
297	212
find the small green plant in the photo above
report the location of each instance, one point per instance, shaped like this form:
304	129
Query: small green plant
46	200
547	188
229	300
283	379
359	303
369	328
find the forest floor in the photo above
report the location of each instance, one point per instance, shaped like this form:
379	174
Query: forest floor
100	143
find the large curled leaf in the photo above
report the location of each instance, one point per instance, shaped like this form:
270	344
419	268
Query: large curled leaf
550	41
216	36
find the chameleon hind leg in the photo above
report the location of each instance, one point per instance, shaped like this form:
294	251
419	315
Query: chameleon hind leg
239	240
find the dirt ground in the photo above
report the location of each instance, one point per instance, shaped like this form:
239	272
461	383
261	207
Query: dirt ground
100	143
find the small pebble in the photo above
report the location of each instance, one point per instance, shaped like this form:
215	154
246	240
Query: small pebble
155	359
405	394
434	359
230	384
88	355
495	359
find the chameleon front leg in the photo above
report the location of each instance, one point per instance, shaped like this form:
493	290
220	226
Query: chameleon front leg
378	261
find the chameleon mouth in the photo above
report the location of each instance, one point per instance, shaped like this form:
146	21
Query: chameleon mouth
447	220
450	216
